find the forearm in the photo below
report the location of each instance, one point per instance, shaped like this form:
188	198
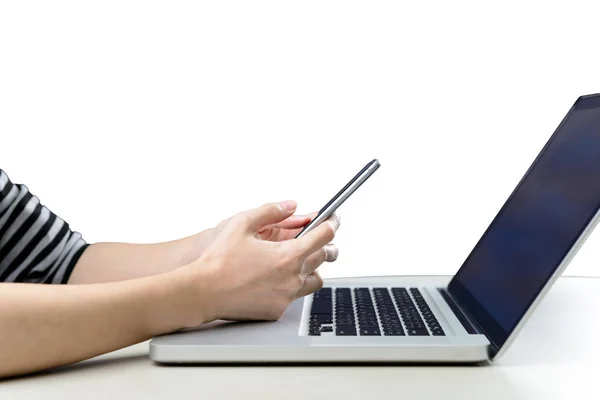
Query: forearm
45	326
37	246
112	262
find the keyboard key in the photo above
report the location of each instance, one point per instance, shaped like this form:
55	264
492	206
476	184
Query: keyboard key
345	330
393	332
418	332
314	331
370	331
322	318
322	306
327	328
326	291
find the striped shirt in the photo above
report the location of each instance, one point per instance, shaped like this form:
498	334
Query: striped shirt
36	246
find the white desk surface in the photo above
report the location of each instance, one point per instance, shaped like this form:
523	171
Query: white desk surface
555	356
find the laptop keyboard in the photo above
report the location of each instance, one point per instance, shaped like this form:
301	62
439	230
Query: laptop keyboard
372	312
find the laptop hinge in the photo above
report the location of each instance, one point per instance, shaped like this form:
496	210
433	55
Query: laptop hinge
465	319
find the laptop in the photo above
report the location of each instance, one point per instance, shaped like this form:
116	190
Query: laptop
472	318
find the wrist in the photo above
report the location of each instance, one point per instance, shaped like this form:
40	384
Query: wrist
161	313
179	299
194	246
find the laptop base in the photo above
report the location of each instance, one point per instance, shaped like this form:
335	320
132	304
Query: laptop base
288	341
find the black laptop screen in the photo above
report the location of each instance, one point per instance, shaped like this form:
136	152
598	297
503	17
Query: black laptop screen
537	226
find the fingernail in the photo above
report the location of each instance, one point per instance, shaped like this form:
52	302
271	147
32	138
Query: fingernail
289	205
332	252
335	222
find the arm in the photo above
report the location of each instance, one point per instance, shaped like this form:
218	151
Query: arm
239	276
112	262
44	326
37	246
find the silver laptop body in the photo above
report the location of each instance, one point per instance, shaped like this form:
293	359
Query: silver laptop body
472	318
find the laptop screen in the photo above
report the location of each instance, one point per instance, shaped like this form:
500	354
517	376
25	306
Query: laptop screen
537	226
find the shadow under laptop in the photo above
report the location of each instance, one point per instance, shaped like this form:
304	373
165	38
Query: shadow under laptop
357	380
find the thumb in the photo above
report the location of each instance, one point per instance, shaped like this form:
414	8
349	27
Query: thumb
271	213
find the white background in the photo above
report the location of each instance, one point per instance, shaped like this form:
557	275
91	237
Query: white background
145	121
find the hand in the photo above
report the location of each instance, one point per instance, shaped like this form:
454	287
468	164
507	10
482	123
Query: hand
284	230
240	276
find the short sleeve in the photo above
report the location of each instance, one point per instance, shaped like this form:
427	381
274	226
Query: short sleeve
36	246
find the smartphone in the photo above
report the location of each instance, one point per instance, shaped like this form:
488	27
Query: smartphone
341	196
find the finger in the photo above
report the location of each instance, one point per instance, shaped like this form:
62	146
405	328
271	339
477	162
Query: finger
300	221
293	222
312	215
318	237
327	253
312	283
269	214
293	231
